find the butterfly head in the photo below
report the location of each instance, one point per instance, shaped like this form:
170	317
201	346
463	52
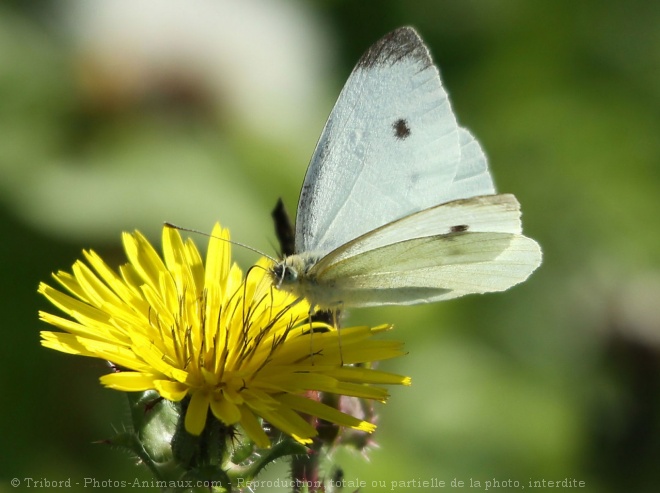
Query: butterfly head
291	273
284	273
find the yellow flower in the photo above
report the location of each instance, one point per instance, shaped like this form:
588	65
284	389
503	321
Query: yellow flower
236	346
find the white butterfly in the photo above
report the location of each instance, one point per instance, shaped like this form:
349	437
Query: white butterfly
398	205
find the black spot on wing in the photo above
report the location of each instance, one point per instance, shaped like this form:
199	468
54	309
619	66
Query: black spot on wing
401	129
461	228
393	47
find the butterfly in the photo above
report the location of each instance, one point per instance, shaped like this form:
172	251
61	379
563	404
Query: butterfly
398	205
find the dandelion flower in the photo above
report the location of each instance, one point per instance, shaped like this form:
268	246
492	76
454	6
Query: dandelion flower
235	346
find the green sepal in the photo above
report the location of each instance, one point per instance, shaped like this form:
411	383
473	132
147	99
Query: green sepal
210	448
285	447
154	421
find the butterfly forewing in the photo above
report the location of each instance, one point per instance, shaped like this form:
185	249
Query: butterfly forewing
391	145
472	175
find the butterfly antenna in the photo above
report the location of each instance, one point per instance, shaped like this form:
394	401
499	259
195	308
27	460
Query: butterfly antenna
196	231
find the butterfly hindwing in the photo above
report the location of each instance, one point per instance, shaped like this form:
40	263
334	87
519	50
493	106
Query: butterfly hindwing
465	246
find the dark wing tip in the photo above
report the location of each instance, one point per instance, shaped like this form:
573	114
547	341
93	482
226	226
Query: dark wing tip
400	44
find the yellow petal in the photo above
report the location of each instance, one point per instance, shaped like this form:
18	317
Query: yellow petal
323	411
129	381
253	428
197	411
172	391
225	410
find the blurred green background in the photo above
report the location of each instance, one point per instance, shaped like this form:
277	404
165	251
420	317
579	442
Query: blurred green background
121	115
